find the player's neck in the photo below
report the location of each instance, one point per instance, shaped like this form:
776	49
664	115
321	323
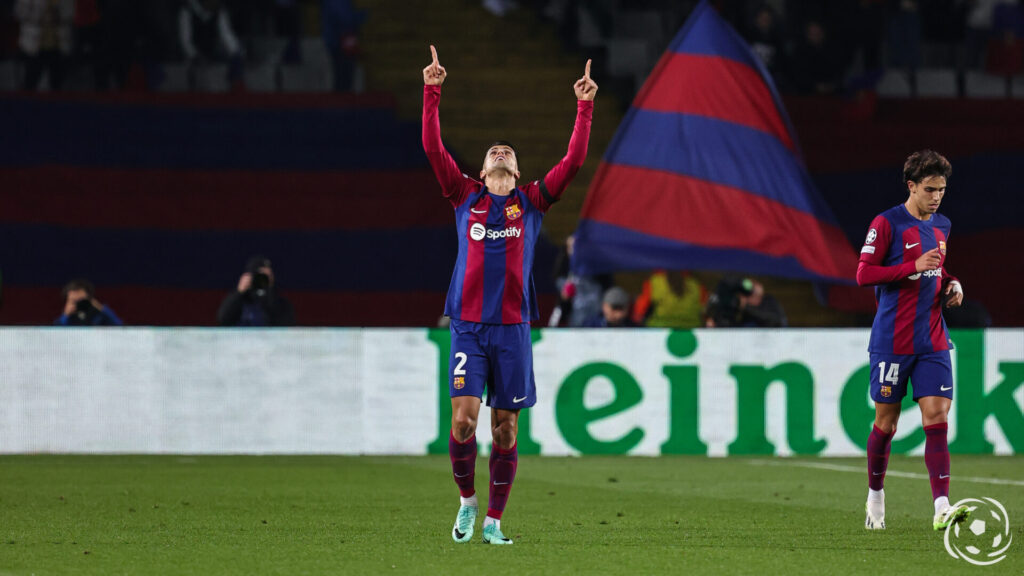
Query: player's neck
500	185
912	209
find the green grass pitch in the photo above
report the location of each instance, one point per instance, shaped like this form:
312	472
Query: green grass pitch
393	515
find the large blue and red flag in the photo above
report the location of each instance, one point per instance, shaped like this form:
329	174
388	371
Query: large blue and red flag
705	173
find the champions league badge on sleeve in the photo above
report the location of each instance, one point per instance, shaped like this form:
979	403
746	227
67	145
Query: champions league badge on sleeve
868	248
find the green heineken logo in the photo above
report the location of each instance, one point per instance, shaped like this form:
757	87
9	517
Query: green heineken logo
680	380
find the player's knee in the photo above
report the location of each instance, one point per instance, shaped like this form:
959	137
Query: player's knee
886	425
504	435
934	417
463	426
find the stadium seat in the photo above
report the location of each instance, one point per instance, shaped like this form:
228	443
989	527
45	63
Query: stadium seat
649	25
261	78
1017	87
212	78
359	80
589	32
628	56
894	84
80	79
175	78
266	49
936	83
981	85
10	75
314	52
305	78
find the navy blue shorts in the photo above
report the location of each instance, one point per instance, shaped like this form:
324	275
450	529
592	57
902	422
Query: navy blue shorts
497	358
930	374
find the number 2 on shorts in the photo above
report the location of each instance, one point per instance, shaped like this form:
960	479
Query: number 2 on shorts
459	370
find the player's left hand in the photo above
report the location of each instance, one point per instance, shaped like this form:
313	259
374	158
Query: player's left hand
954	294
585	88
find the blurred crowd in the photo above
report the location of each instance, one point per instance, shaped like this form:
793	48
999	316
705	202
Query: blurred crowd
126	43
809	46
826	47
667	299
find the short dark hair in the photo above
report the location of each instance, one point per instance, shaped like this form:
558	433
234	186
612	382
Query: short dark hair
79	284
925	163
504	143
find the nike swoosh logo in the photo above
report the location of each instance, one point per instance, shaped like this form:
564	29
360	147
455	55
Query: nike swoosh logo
463	475
941	477
909	246
475	211
518	400
500	483
877	473
459	535
944	389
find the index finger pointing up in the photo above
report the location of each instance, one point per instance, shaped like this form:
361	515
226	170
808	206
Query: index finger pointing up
586	72
433	52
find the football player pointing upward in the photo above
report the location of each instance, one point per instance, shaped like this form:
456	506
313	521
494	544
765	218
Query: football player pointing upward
903	258
491	299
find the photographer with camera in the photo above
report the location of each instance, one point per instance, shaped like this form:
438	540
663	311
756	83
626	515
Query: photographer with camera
256	302
81	308
742	302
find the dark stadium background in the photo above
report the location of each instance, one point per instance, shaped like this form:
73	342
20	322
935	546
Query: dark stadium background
160	186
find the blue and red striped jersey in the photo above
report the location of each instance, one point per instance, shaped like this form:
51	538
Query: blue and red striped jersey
493	278
909	317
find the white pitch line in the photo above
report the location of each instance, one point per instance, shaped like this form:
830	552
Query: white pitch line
896	473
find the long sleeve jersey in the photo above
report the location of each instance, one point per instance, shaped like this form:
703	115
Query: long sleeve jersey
493	278
909	317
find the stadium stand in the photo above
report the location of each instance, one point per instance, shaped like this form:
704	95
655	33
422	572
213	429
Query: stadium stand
335	190
521	94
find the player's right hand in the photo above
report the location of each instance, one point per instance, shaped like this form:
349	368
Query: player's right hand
930	260
244	282
434	74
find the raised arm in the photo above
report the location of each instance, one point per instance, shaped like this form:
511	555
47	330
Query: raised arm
558	178
455	185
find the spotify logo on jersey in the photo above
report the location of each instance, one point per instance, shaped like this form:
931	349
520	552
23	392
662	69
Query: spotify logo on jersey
477	231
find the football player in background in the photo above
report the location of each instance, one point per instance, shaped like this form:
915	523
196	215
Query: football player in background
903	258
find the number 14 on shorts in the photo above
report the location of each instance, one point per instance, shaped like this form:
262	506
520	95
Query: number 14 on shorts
893	375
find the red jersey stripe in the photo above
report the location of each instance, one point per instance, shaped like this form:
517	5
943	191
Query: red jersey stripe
936	333
512	304
906	303
473	281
